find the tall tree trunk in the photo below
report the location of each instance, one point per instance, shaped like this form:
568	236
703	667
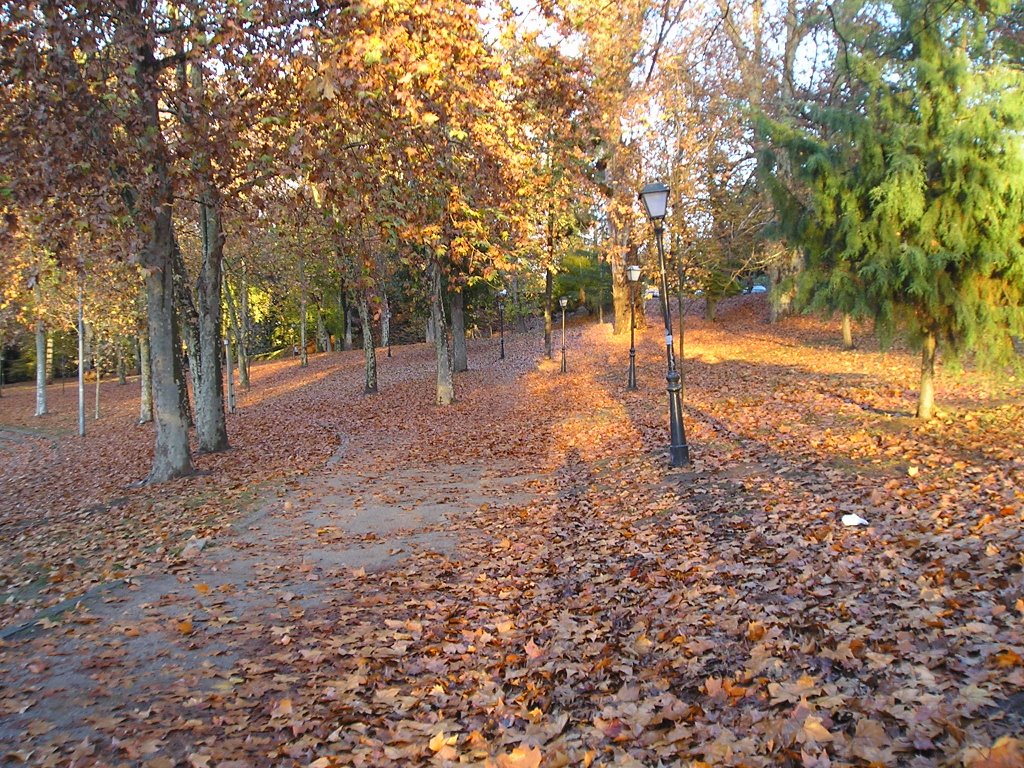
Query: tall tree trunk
122	374
40	368
81	359
549	281
445	385
385	323
181	360
460	355
49	359
926	396
346	343
324	331
710	303
321	331
146	380
618	259
171	456
187	328
211	425
847	331
242	339
229	377
303	312
96	406
430	331
369	353
237	325
681	275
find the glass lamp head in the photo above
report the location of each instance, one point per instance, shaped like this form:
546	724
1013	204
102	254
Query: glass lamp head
654	196
633	273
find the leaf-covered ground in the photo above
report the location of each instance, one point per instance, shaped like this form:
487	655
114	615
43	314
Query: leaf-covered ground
519	579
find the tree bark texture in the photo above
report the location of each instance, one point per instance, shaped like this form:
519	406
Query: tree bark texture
122	373
710	305
40	368
171	456
145	367
346	313
445	385
460	355
369	353
847	331
237	325
926	395
385	322
211	426
303	312
49	359
549	281
242	337
81	359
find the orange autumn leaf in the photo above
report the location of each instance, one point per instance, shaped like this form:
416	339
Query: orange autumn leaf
1007	752
521	757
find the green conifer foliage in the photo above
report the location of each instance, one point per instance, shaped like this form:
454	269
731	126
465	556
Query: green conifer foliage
911	199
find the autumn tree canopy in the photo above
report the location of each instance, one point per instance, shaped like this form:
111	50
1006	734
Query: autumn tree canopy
440	151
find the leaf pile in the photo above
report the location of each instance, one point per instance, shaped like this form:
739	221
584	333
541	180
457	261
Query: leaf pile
629	614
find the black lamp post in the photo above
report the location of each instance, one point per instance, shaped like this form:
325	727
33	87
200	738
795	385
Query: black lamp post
562	302
501	320
655	199
632	275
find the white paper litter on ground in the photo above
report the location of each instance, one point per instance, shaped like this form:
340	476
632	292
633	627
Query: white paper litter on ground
852	520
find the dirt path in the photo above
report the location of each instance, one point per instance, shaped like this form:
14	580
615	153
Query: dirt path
89	678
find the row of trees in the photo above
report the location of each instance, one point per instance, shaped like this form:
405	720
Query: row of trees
168	168
206	150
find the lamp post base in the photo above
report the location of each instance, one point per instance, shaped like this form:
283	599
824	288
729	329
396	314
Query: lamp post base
563	360
631	380
679	451
679	455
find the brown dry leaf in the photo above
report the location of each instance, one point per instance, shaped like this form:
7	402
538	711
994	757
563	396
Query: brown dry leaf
521	757
439	741
1007	752
183	626
1007	658
202	589
814	730
282	708
755	631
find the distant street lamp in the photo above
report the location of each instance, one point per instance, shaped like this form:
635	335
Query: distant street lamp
563	301
501	320
655	199
632	275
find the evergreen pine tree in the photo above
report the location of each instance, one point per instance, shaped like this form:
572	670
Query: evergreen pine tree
912	199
